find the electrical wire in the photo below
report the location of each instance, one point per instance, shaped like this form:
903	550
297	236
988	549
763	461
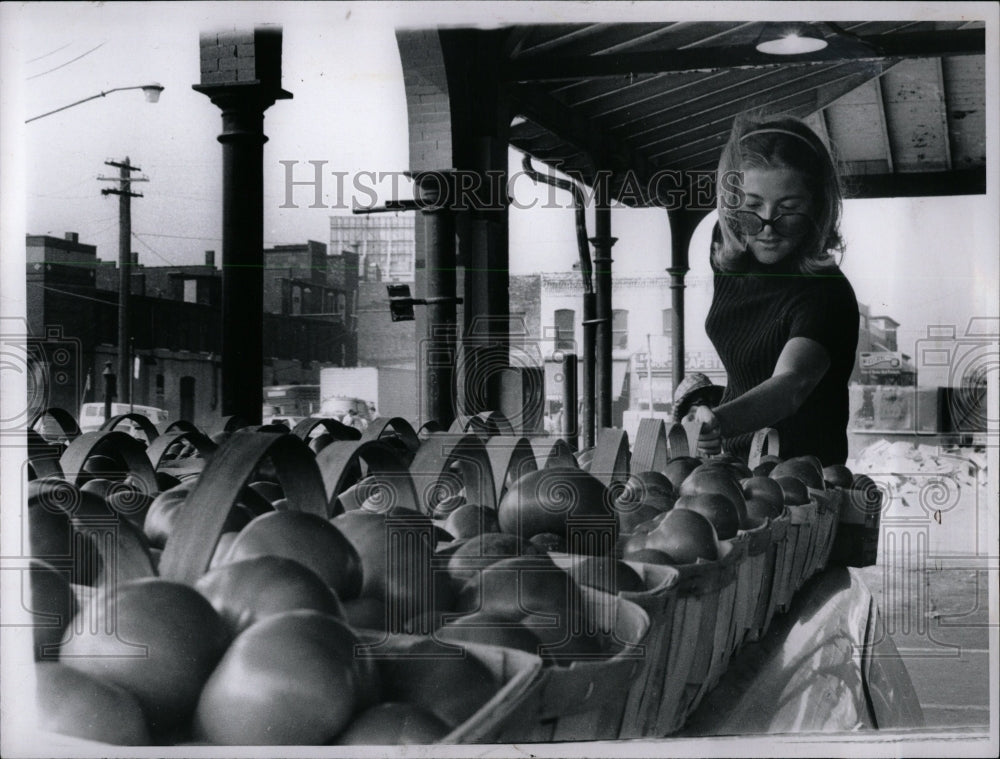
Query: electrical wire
153	250
61	65
51	289
51	52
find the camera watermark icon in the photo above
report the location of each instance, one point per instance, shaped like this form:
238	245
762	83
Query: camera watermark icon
933	523
961	364
50	366
498	363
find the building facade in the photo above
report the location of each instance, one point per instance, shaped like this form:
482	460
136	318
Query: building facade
384	244
175	329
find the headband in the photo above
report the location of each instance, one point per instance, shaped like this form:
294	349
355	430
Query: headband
777	130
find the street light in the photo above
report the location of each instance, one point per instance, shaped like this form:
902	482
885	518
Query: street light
151	91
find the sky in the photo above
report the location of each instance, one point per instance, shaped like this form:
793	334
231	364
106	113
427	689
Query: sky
922	261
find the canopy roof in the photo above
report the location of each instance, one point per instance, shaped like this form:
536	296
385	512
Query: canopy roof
902	103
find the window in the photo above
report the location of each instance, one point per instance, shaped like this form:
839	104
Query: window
190	290
187	398
619	328
565	319
668	321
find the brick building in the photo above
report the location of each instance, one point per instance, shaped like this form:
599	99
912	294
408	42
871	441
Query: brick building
175	323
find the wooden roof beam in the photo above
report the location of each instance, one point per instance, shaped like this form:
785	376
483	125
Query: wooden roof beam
872	47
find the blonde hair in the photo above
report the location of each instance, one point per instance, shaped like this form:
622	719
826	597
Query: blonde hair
780	142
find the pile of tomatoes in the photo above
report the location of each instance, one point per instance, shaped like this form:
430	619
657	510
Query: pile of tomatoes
314	628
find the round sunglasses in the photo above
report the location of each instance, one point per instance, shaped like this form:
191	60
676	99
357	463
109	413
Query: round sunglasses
784	224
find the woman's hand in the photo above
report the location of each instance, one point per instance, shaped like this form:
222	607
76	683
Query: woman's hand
710	435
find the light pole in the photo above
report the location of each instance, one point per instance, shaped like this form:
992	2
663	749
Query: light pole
151	91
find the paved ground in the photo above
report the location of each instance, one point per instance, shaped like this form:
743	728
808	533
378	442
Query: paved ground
939	621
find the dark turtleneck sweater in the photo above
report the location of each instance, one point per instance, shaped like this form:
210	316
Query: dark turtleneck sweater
754	313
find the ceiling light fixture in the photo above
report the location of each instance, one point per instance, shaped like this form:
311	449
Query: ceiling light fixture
795	40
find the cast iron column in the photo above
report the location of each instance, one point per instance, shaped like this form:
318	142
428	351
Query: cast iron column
683	222
243	90
602	241
438	351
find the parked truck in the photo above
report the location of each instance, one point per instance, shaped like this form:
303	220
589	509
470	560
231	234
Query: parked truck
393	390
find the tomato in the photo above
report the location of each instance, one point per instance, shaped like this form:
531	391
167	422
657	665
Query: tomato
288	679
51	533
650	556
396	554
802	468
838	476
163	512
520	585
157	639
685	536
548	541
308	539
765	498
244	592
447	505
717	479
469	520
429	674
644	496
52	603
489	629
678	469
71	702
607	574
794	491
549	500
717	509
393	723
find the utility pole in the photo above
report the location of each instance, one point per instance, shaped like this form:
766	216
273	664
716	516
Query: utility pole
125	195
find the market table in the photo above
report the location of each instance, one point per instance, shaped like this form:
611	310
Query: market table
827	665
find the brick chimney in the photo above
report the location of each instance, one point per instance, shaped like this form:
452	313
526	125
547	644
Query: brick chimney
210	258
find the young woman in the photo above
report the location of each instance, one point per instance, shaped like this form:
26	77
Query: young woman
783	319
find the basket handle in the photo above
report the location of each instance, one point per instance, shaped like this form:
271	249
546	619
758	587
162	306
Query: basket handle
509	457
763	439
678	443
610	464
189	550
127	447
433	462
65	420
336	428
650	452
338	460
159	447
141	419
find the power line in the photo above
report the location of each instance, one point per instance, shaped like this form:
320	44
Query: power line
177	237
72	295
35	76
153	250
46	55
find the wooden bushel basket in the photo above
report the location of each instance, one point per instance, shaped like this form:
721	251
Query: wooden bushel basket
518	671
685	655
773	567
800	522
828	514
730	614
650	682
751	578
584	701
